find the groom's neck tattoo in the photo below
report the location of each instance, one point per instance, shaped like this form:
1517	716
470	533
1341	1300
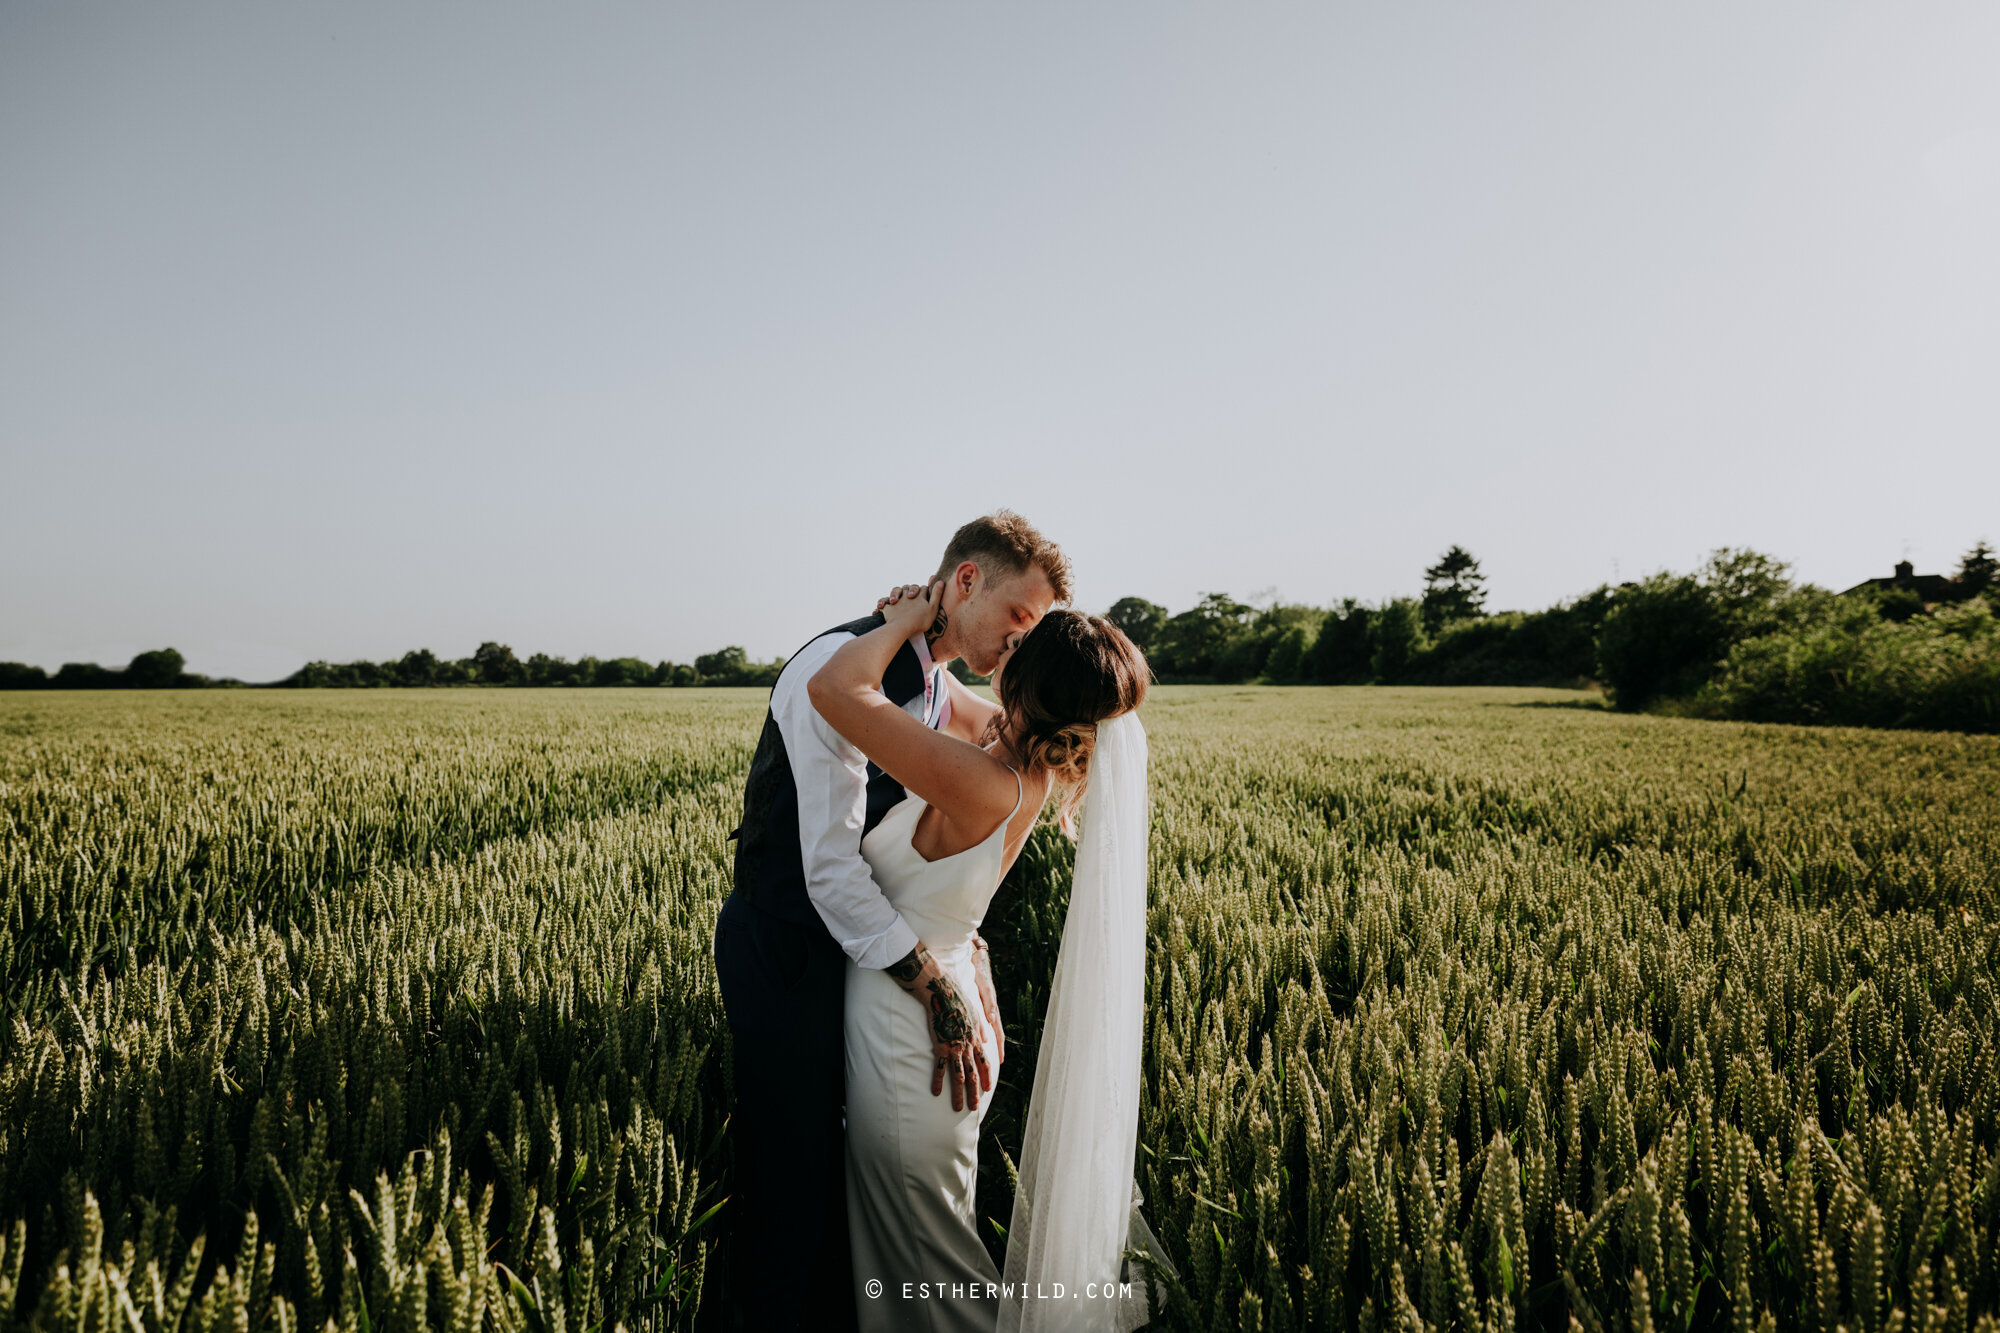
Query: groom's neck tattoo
938	626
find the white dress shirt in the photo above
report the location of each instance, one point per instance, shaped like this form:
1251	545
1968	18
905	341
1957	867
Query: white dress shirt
832	780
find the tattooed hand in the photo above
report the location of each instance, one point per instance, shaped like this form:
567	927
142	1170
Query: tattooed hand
955	1036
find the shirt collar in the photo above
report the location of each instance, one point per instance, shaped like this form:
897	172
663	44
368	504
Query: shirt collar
937	695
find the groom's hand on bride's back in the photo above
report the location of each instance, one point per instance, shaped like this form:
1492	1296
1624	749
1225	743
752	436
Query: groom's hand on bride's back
955	1036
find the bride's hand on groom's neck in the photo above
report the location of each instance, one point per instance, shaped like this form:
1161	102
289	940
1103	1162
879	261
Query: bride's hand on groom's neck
914	608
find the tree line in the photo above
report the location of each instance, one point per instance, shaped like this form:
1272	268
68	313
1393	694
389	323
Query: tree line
159	669
1736	638
496	664
491	664
1444	637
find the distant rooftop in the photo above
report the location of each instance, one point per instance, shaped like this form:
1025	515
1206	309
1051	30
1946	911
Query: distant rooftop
1930	587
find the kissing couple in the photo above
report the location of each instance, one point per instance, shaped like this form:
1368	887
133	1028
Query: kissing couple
884	804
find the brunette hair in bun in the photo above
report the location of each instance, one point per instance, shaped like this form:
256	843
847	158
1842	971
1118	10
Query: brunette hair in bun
1070	672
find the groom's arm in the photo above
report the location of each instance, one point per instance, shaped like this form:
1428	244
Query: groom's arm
832	780
833	806
969	712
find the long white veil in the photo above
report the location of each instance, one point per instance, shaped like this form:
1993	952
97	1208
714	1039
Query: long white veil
1076	1208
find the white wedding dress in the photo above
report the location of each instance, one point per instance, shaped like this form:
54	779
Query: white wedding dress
912	1161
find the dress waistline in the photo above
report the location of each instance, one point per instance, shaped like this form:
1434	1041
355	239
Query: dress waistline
952	955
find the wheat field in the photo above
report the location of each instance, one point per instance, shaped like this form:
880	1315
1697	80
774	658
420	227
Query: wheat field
1467	1009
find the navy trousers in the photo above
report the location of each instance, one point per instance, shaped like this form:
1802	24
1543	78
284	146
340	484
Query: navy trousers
784	988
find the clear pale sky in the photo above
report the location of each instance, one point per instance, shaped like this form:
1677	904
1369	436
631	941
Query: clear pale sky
335	331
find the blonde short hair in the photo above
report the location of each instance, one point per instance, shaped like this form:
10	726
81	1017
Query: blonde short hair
1003	543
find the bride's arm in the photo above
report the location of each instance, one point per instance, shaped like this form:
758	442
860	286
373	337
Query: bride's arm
969	787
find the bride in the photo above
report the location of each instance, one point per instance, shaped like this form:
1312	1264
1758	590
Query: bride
1065	723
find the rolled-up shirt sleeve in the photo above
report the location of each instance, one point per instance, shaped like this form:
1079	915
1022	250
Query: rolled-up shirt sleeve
832	780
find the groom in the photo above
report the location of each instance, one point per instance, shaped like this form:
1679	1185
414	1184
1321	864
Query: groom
805	902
